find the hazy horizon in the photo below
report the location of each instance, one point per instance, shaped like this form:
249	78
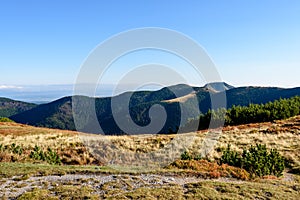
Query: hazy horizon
48	93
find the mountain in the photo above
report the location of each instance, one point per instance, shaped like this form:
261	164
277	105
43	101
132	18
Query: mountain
58	114
218	86
9	107
257	95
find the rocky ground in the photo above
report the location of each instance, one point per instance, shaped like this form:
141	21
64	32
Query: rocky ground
119	186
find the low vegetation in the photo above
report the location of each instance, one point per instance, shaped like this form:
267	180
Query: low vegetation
257	160
124	187
5	119
206	169
23	143
72	155
17	169
61	192
49	156
25	153
16	153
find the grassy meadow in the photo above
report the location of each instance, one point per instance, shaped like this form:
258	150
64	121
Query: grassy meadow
19	169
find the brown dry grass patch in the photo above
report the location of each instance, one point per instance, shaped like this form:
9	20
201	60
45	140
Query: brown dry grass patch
210	170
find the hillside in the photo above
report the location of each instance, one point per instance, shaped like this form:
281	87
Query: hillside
58	114
22	179
280	134
9	107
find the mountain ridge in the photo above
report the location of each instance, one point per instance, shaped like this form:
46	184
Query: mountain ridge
9	107
58	114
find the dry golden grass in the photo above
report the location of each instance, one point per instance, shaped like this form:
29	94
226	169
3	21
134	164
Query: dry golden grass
207	169
15	129
283	135
67	143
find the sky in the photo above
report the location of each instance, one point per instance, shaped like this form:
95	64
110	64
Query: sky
251	42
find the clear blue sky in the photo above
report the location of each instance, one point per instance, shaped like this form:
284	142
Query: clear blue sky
252	42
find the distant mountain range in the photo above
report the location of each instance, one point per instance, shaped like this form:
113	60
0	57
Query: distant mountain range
9	107
58	114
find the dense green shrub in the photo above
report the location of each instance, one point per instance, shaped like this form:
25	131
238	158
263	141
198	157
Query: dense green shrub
5	119
187	156
49	156
257	160
52	157
230	157
37	154
13	148
16	149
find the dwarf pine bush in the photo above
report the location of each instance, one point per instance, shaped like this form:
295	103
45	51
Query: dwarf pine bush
257	160
49	156
186	156
16	149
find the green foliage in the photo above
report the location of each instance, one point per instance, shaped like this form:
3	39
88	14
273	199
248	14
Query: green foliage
230	157
49	156
279	109
9	107
5	119
257	160
13	148
16	149
187	156
254	113
37	153
197	157
57	114
52	157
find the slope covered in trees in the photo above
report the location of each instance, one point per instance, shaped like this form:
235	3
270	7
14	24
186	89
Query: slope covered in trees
9	107
57	114
253	113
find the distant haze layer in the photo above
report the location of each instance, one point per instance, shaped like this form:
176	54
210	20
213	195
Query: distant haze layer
47	93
